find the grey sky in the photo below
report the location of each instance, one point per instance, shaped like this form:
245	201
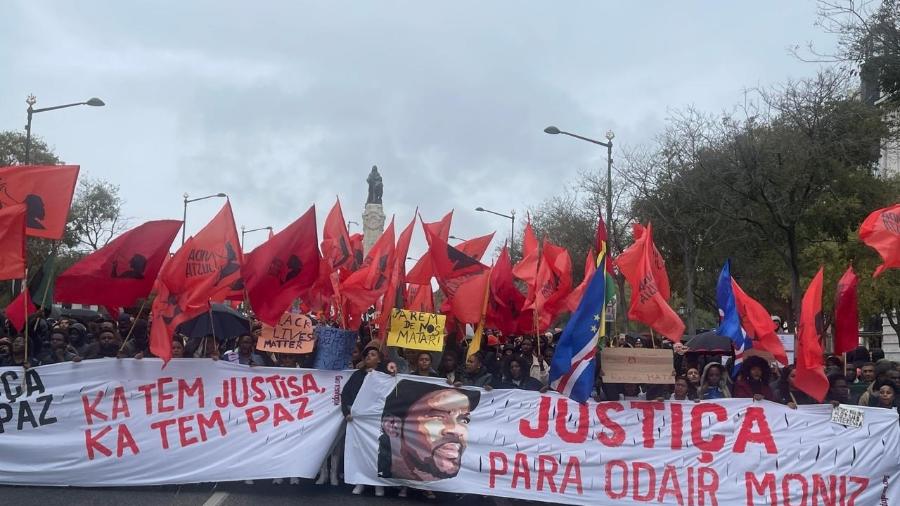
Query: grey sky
284	104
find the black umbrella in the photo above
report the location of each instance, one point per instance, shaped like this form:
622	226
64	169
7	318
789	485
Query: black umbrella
709	343
224	324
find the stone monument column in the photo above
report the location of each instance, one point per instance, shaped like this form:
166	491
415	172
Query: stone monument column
373	217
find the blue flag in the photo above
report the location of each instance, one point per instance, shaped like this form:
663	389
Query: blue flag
729	319
574	366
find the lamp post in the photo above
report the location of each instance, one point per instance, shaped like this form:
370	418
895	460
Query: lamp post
244	232
188	201
31	100
552	130
457	238
351	223
511	217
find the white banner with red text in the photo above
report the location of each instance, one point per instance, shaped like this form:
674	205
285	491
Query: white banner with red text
545	447
129	422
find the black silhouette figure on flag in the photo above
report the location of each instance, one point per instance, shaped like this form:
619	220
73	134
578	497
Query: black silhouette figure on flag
34	211
294	267
137	265
231	264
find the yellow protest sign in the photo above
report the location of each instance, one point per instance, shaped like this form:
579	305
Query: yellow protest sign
416	330
293	334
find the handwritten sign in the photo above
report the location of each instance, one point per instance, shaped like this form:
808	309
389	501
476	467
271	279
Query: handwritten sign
637	365
415	330
334	348
293	334
847	415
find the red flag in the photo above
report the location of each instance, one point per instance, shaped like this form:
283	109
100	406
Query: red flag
17	313
756	321
526	269
336	240
283	268
638	265
12	242
657	264
46	191
590	267
553	284
810	376
206	266
420	298
467	303
394	296
506	301
881	232
423	271
364	286
121	272
358	250
846	313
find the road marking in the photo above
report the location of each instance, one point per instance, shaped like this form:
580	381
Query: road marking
216	499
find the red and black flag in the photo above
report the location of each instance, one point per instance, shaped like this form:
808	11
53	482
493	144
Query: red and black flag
207	266
810	370
283	268
881	232
12	242
336	248
121	272
45	190
363	288
552	284
395	295
506	301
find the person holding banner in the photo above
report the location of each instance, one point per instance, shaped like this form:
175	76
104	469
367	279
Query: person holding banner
60	349
754	380
372	361
886	396
515	376
788	393
476	374
423	365
12	353
713	382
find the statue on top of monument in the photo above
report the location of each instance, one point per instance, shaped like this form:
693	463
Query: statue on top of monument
376	187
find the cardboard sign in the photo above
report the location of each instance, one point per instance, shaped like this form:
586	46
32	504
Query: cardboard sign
334	348
637	365
847	415
293	334
417	331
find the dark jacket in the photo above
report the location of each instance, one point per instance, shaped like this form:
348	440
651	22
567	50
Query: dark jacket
479	379
747	388
526	383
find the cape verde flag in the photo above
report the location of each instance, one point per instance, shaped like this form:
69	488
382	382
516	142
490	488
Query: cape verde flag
573	367
729	318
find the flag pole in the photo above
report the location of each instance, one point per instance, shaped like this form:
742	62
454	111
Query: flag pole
25	364
212	324
48	276
475	346
130	330
652	339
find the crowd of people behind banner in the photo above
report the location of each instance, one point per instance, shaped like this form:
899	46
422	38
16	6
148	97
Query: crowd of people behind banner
503	362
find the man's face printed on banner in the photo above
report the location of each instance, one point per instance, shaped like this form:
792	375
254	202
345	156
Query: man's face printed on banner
427	444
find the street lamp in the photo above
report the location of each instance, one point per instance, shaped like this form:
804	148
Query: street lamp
456	238
188	201
31	100
552	130
244	232
511	217
351	223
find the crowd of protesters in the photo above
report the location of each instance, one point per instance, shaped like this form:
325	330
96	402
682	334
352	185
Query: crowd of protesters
503	362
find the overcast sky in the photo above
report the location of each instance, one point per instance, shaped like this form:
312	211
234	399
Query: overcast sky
285	104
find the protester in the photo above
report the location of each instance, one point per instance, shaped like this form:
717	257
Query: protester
838	390
476	374
683	390
864	380
754	380
515	376
245	353
693	377
60	350
534	363
789	394
880	371
177	347
423	365
78	338
632	392
13	353
886	396
108	343
713	382
449	367
372	361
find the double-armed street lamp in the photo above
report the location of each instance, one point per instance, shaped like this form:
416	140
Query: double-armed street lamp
552	130
245	231
188	201
31	100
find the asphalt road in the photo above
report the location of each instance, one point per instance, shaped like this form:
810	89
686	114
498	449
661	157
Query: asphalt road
222	494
